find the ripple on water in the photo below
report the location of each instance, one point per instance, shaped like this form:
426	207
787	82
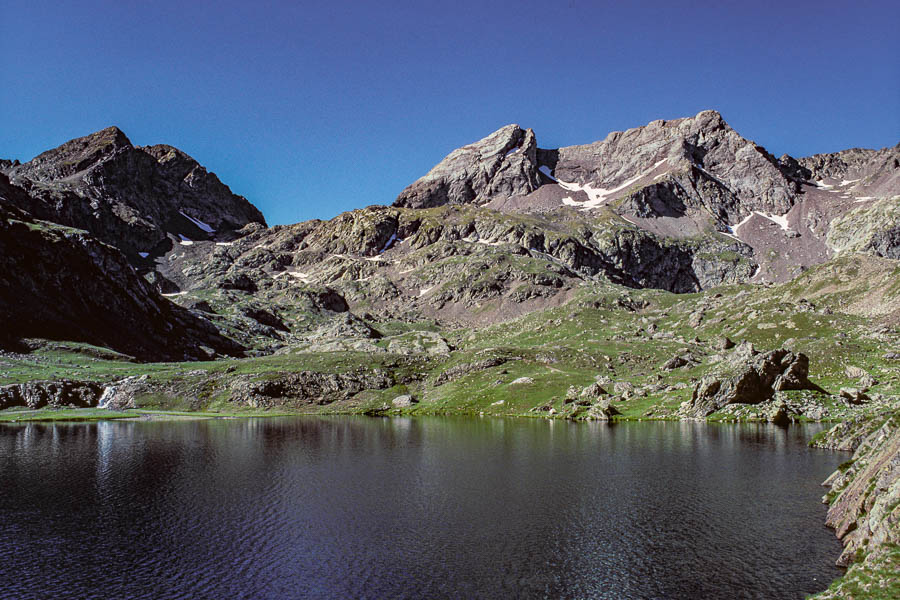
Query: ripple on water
410	508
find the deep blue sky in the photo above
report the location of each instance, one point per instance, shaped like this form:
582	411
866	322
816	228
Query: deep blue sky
312	108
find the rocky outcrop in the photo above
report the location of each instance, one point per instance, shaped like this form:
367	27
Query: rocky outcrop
871	229
50	394
501	165
129	196
748	377
457	371
307	387
864	493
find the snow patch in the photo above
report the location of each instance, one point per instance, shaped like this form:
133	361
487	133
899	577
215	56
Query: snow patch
378	258
185	241
599	196
392	239
143	254
224	243
864	198
304	277
173	295
848	181
822	185
197	222
513	151
546	171
424	291
780	220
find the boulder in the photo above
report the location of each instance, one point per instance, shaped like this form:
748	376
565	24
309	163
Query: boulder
750	380
853	395
404	401
865	379
623	387
595	390
602	411
675	362
724	343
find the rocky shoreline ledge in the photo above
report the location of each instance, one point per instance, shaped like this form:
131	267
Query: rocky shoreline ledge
864	505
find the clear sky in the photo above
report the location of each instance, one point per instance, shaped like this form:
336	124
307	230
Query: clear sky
313	108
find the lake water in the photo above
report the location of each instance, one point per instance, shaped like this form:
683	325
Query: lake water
351	507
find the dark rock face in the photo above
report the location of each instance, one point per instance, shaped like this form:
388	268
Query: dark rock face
52	394
750	381
130	197
500	165
61	283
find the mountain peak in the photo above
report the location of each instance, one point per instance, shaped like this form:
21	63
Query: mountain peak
75	155
503	163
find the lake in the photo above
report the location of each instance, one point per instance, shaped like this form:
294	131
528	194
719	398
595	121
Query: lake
431	507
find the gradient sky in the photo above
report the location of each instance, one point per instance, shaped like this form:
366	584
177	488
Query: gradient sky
313	108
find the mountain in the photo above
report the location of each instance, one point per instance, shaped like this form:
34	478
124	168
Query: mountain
139	199
498	229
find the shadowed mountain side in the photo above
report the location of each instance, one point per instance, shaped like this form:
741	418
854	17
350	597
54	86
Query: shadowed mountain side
62	284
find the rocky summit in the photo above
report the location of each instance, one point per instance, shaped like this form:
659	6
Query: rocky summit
141	200
672	271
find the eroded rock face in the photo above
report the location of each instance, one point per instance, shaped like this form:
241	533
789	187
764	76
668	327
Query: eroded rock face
501	165
129	196
706	163
750	380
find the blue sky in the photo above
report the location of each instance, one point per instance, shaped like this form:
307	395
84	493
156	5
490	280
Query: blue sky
313	108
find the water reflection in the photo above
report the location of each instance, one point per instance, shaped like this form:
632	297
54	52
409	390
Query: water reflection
426	507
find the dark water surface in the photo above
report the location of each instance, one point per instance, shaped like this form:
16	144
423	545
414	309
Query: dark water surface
412	508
